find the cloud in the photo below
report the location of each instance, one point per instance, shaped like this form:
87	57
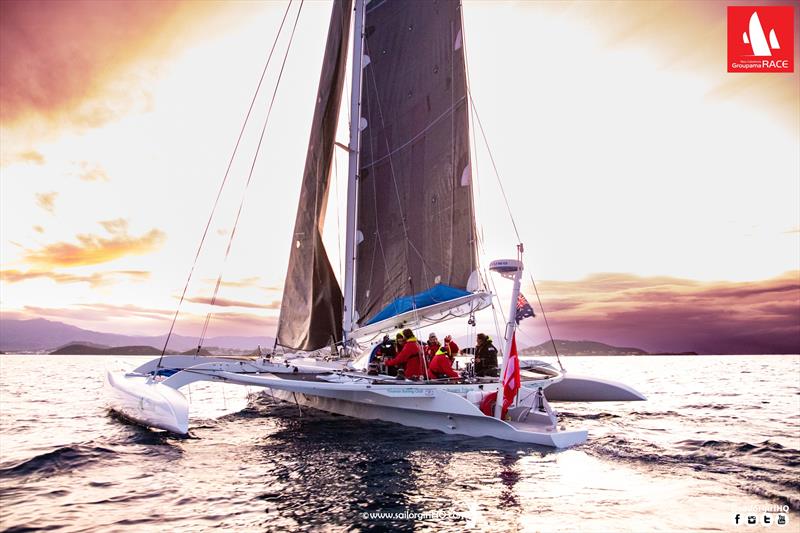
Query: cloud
14	155
90	172
99	312
132	317
117	226
670	314
223	302
38	229
84	63
94	249
96	279
46	200
254	282
51	61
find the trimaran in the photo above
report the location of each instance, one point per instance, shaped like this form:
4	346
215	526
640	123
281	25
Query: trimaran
410	255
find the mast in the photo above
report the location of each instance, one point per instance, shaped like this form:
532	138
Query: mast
348	321
509	269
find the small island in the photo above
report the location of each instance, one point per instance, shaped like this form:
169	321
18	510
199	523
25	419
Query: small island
565	347
99	349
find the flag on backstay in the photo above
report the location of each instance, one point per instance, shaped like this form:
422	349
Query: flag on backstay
524	309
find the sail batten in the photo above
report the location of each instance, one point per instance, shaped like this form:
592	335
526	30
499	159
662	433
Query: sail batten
311	308
414	205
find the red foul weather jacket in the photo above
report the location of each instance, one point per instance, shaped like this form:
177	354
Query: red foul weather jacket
411	356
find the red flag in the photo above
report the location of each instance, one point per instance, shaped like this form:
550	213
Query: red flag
511	379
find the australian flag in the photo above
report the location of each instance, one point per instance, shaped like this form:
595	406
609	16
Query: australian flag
524	309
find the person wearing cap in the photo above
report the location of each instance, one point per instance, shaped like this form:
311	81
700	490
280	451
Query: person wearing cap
442	366
432	347
410	355
485	357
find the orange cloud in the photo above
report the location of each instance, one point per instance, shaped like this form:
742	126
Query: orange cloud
94	249
69	62
89	172
95	280
670	314
46	200
223	302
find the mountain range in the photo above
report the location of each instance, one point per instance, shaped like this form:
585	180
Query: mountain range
39	335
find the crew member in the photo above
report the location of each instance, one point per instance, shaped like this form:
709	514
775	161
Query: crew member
384	351
442	366
485	357
432	347
452	347
410	355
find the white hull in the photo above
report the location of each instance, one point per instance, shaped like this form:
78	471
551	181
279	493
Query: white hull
471	425
574	388
151	404
429	406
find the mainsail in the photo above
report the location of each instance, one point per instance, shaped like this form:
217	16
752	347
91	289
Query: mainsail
415	212
311	310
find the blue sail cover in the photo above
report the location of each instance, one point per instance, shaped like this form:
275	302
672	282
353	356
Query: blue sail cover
436	294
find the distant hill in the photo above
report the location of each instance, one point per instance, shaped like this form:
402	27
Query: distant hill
96	349
40	335
580	348
84	349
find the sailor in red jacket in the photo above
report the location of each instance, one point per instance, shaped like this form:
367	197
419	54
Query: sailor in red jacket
441	366
411	355
450	346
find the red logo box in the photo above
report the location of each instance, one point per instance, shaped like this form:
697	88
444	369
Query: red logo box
760	38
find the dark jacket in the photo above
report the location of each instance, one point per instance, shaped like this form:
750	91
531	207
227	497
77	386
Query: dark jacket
386	350
486	359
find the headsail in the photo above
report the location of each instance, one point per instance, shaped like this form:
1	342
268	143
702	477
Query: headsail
415	211
311	310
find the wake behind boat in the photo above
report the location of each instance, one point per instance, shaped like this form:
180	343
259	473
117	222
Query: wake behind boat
411	249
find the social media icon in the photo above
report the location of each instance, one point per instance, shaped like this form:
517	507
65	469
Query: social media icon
781	519
752	519
737	519
766	520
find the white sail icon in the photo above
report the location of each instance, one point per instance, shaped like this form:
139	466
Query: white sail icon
758	39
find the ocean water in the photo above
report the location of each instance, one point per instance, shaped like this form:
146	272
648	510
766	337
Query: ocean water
718	436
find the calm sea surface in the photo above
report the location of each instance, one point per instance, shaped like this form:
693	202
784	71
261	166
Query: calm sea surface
719	435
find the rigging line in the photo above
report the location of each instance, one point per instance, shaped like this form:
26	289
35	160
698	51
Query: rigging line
516	231
250	174
494	165
224	180
546	322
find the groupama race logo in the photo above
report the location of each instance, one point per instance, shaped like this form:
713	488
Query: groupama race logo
761	38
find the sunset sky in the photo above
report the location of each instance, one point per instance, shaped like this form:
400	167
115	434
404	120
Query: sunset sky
658	196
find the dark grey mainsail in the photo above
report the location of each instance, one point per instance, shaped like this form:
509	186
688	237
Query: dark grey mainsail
415	208
311	310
